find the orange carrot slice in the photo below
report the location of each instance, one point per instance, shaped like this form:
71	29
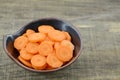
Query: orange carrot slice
68	37
25	55
45	29
24	35
29	32
20	42
53	61
32	48
26	63
38	62
56	45
50	41
36	37
64	53
48	67
67	43
40	68
45	48
56	35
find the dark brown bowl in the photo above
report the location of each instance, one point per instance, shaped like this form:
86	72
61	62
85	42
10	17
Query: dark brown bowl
57	24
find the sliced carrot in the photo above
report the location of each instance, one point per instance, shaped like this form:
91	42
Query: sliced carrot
26	63
67	43
48	67
38	62
40	68
20	42
64	53
47	39
29	32
53	61
50	41
56	45
25	55
32	48
24	35
56	35
54	52
68	37
45	48
36	37
45	28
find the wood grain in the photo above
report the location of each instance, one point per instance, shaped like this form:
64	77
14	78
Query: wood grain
98	22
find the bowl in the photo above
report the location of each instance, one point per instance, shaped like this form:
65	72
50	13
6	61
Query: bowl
8	40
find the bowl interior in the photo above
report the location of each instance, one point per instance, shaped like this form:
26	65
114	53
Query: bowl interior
57	24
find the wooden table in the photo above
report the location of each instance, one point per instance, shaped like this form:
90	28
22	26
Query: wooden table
98	22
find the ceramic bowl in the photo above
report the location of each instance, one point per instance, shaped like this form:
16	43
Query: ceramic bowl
57	24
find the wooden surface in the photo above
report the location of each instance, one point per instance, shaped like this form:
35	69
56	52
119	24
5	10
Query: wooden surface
98	22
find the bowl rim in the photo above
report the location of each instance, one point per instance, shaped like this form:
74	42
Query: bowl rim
33	70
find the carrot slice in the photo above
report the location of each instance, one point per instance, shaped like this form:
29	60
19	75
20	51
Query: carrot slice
40	68
64	53
48	67
56	35
29	32
45	48
25	55
20	42
32	48
24	35
45	28
56	45
38	62
50	41
26	63
36	37
53	61
53	52
67	43
68	37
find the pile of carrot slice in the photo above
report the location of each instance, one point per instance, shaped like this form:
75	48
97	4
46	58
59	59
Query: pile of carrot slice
46	49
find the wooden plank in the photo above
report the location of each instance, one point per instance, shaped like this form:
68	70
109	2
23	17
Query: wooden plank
97	21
